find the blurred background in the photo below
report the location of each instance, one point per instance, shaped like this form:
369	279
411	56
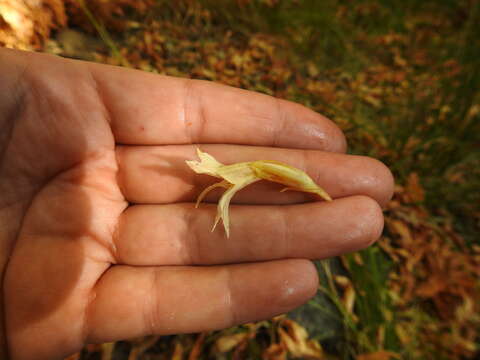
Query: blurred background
401	78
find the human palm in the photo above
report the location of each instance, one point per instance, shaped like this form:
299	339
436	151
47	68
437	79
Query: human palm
99	237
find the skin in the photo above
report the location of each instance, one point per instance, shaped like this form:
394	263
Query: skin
99	238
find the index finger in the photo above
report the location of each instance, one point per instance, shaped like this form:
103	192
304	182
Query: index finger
150	109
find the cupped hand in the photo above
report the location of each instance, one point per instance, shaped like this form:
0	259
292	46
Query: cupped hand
99	236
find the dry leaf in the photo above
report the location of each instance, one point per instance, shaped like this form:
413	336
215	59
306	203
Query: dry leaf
228	342
275	352
312	69
295	340
348	298
414	188
142	345
402	229
177	351
402	334
197	347
379	355
27	24
433	286
357	257
107	350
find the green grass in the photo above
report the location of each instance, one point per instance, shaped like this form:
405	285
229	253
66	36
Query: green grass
428	124
103	33
372	325
439	121
430	129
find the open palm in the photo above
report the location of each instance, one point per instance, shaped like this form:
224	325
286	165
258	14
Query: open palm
99	237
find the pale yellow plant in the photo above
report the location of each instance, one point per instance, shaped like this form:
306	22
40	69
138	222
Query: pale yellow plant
237	176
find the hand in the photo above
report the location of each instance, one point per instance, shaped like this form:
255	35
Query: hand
99	237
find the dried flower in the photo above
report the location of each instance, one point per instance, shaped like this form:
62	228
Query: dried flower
237	176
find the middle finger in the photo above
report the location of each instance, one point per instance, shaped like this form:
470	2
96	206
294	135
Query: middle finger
159	174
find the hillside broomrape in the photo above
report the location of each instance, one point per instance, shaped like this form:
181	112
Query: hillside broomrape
237	176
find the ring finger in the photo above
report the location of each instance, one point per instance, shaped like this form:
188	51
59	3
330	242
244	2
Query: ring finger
179	234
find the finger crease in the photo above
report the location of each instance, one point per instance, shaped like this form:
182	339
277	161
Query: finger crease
190	242
282	124
286	239
101	98
88	308
194	126
151	314
229	302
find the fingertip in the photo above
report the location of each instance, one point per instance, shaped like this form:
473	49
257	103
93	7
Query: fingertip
305	128
298	284
340	144
370	177
386	182
273	288
310	278
370	228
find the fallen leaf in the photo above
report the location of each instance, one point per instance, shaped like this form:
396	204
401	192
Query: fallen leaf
312	69
140	346
431	287
295	340
348	298
177	351
402	334
197	347
379	355
275	352
401	229
228	342
414	188
27	24
107	351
